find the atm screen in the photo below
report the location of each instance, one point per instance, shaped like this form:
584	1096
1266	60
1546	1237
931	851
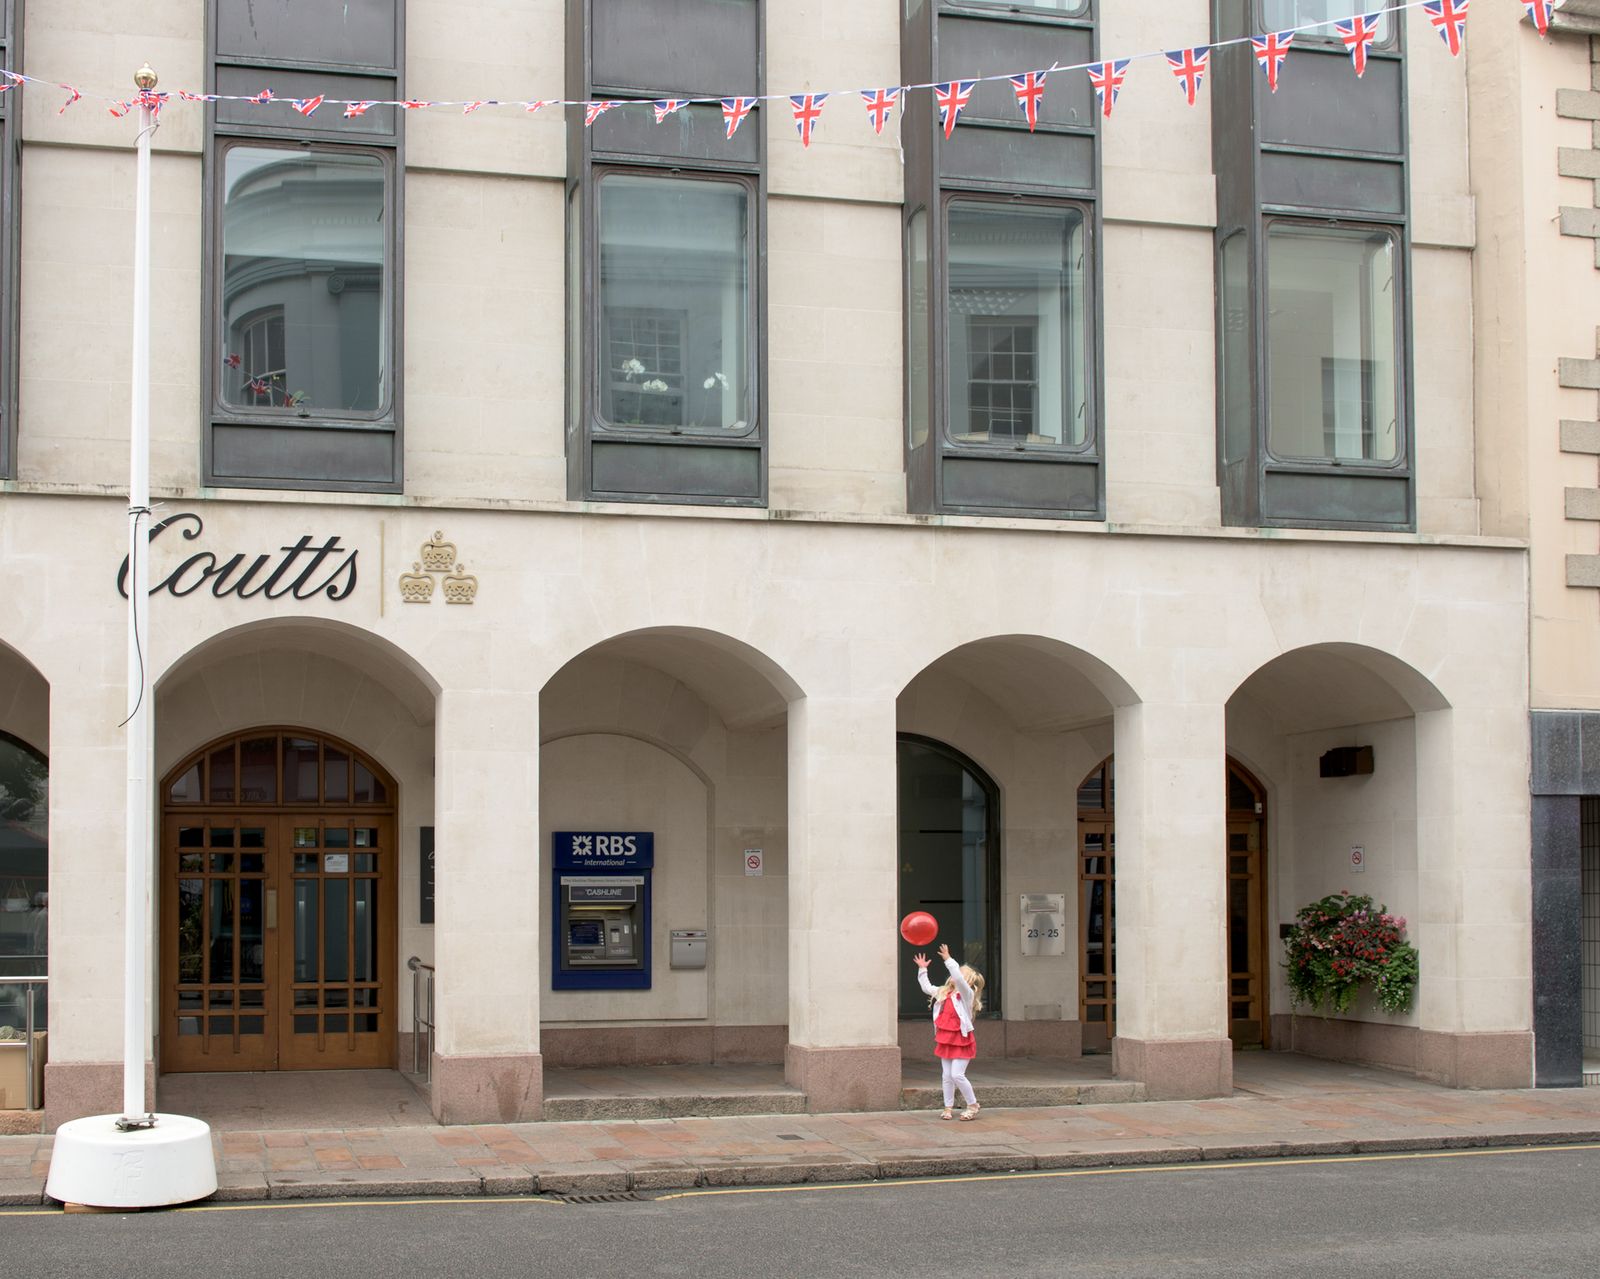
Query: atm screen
585	932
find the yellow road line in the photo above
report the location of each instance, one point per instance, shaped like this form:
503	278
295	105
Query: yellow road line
1212	1166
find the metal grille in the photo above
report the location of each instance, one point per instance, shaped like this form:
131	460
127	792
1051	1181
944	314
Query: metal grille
1590	848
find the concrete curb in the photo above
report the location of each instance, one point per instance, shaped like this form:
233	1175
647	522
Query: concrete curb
656	1177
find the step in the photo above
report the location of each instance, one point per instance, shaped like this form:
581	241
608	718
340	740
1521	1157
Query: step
782	1101
1098	1093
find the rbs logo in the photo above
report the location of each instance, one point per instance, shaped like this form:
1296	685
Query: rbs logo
615	845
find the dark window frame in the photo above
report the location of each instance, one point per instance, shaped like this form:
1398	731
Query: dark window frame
994	156
11	30
363	452
648	464
1279	162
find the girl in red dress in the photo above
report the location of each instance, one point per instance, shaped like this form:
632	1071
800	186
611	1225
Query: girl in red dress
955	1043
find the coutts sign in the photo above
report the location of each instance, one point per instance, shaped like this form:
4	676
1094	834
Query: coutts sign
302	571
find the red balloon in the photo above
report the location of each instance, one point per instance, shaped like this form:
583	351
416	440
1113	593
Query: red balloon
919	928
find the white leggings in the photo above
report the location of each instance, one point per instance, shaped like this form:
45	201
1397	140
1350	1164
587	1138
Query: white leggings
954	1071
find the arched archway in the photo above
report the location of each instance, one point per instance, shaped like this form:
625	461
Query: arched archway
278	876
1245	903
950	860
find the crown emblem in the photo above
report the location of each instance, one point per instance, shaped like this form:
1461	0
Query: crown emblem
416	587
437	554
460	587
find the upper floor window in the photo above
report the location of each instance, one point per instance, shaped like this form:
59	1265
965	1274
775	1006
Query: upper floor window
1333	307
304	263
675	310
1017	326
303	367
1313	210
1002	388
665	265
1284	15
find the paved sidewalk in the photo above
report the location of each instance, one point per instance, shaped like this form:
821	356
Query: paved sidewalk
1281	1106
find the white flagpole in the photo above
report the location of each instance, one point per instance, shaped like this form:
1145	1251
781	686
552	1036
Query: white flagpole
136	901
136	1159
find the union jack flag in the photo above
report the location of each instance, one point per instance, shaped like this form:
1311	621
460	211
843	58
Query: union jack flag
148	98
1271	50
952	96
880	106
1189	65
231	360
594	110
734	111
1357	33
1030	91
531	107
265	96
305	106
1107	80
667	106
1539	12
353	109
121	109
470	107
75	96
259	386
186	96
414	104
1449	18
807	111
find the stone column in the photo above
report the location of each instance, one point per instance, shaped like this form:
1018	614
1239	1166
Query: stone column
488	907
88	790
843	1049
1171	880
1473	931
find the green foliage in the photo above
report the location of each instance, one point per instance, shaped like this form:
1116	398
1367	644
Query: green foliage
1342	941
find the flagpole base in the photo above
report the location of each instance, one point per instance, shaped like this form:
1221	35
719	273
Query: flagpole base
98	1165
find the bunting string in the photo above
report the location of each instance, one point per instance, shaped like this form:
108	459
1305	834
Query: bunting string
1189	66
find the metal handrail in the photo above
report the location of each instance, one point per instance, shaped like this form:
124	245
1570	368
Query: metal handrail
29	1044
419	984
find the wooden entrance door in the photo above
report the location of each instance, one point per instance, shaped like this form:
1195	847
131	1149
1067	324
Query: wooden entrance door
1246	940
278	919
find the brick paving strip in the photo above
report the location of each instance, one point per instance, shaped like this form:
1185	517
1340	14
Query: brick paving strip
607	1157
658	1154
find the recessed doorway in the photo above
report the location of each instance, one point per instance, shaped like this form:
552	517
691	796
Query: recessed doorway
278	881
1245	901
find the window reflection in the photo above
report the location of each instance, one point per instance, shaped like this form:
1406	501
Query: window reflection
304	256
1281	15
1332	326
674	304
1016	331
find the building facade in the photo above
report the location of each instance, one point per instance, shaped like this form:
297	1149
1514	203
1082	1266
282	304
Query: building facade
626	564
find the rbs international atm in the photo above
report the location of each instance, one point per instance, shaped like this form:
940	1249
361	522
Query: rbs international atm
601	900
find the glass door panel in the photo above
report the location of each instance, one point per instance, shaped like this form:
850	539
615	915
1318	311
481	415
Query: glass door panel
1097	933
217	944
342	1008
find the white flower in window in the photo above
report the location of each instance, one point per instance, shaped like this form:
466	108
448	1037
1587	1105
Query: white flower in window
654	384
632	368
716	379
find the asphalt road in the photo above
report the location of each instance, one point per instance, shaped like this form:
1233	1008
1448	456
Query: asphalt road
1474	1213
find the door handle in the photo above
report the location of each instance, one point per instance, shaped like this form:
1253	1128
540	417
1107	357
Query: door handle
272	908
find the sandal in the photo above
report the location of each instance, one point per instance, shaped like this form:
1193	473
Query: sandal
945	1114
970	1113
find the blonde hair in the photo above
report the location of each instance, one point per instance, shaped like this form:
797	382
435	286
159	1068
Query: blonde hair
975	980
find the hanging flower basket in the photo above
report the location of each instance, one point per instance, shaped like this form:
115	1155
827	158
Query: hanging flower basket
1341	942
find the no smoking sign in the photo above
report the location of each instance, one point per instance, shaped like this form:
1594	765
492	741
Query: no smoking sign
752	861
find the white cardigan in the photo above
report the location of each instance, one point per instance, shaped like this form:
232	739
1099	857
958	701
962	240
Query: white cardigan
963	1005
